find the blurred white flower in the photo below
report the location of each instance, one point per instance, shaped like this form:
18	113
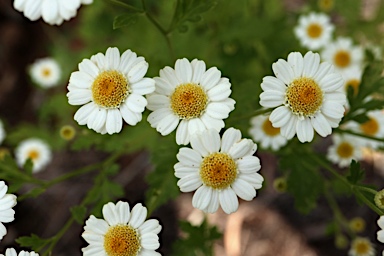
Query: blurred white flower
111	88
12	252
45	72
304	95
361	246
189	98
264	133
53	12
219	169
2	132
123	232
344	149
36	150
7	214
314	30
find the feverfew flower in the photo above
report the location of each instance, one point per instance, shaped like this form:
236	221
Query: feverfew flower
45	72
264	133
380	233
344	149
361	247
343	54
190	98
123	232
111	88
374	127
53	12
7	214
219	170
36	150
2	132
305	96
12	252
352	78
314	30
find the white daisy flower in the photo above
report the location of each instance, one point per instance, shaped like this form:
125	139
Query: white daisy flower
264	133
53	12
123	232
361	247
45	72
7	214
344	149
314	30
352	77
343	54
2	132
219	170
374	127
190	98
380	233
36	150
305	96
12	252
112	88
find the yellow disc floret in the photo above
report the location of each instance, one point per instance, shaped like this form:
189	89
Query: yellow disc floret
362	246
342	59
304	96
314	30
189	101
269	129
67	132
345	150
110	89
122	240
46	72
371	127
218	170
354	83
33	154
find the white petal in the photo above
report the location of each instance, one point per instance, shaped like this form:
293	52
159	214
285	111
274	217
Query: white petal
195	126
144	86
228	200
280	116
168	124
50	11
211	140
89	67
321	125
183	70
198	70
243	189
248	164
190	183
295	59
220	92
82	114
182	134
114	121
138	215
229	138
129	116
218	110
113	58
202	197
189	157
272	99
311	64
137	72
283	71
156	116
136	103
210	78
241	148
304	130
150	241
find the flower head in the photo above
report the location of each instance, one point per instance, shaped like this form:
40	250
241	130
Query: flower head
53	12
352	77
361	247
67	132
344	149
36	150
111	88
264	133
343	54
190	98
379	199
314	30
305	96
2	132
357	224
45	72
219	170
380	233
7	214
12	252
121	232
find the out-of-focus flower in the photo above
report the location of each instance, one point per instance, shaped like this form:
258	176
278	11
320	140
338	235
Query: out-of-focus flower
219	170
7	214
53	12
12	252
264	133
189	98
36	150
2	132
361	246
67	132
122	232
305	96
314	30
111	88
344	149
45	72
357	224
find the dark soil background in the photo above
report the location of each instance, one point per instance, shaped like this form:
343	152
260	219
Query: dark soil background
269	225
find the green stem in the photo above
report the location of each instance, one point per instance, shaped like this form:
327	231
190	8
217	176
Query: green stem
369	190
126	6
57	237
367	202
359	134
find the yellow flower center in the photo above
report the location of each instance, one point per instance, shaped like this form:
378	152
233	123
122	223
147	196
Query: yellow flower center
314	30
304	96
362	246
357	224
189	101
67	132
342	59
371	127
110	89
345	150
218	170
122	240
46	72
354	83
269	129
33	154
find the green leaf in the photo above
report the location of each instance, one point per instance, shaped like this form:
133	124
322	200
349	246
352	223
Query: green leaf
28	166
78	213
33	241
356	174
198	239
125	20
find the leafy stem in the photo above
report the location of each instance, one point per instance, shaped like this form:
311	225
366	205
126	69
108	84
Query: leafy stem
359	134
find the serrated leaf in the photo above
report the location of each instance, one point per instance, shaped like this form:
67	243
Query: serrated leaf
356	174
33	241
125	20
78	213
